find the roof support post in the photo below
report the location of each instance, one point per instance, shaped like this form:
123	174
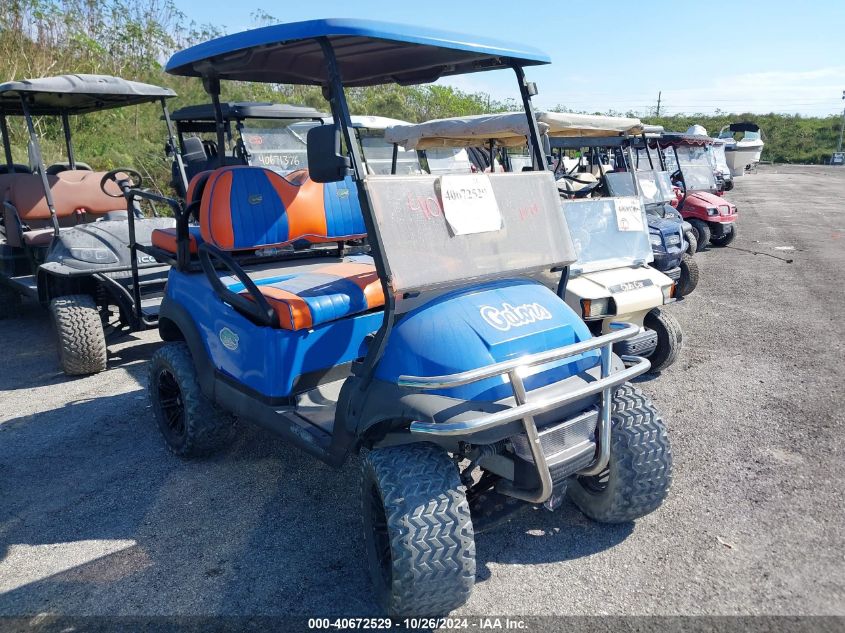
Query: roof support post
177	155
36	150
212	87
68	143
538	158
7	143
340	112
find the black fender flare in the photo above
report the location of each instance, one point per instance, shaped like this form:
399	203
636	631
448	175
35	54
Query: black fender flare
175	324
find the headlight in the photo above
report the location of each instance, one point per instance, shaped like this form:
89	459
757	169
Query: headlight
668	293
655	239
94	255
712	211
592	308
673	240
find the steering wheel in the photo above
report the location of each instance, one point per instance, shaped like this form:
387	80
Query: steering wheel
131	180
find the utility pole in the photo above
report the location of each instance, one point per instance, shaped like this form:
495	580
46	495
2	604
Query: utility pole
842	127
660	94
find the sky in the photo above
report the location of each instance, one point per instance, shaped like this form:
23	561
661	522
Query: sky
760	57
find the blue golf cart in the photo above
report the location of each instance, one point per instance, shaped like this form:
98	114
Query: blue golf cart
466	387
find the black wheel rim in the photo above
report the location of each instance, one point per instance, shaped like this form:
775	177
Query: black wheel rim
596	484
171	406
381	538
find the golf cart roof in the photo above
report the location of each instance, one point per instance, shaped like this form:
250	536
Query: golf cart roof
247	110
579	125
508	129
676	139
368	53
76	94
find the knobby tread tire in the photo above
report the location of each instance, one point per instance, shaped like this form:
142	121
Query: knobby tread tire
208	428
640	468
702	233
689	236
669	338
689	275
81	339
432	544
724	240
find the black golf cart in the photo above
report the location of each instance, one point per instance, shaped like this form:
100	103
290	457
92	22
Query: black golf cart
263	134
64	235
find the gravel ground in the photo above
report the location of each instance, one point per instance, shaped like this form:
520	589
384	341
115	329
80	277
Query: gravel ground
97	518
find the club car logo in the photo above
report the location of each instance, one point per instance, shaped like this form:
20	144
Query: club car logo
229	339
508	316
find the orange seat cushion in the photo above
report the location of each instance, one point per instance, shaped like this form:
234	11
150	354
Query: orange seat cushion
321	295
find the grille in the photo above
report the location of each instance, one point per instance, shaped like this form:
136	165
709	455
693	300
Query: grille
643	343
568	446
673	273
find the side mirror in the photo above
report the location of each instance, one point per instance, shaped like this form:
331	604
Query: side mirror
325	162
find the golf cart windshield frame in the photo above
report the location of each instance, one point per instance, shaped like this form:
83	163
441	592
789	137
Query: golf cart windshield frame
67	95
306	53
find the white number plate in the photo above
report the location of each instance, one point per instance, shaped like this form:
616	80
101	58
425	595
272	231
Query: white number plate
469	204
629	214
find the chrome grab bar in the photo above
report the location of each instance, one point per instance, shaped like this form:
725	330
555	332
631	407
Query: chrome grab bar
623	331
526	411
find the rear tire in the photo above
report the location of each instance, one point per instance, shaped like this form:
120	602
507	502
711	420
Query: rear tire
192	426
639	474
724	240
702	234
417	530
689	236
689	276
669	338
10	302
81	340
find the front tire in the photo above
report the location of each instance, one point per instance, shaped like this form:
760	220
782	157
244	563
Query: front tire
689	236
702	234
726	239
638	476
417	530
81	339
669	338
192	426
689	275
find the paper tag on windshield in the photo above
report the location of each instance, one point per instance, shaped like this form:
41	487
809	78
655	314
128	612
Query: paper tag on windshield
469	204
629	214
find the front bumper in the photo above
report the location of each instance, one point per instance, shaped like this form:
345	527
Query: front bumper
526	409
665	262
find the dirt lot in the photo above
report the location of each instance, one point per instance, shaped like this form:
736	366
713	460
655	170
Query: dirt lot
97	518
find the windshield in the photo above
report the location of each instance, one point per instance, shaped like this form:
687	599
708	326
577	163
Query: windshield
446	160
695	166
719	158
607	233
378	154
655	186
276	145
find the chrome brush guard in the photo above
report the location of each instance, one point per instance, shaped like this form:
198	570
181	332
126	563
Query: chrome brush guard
526	409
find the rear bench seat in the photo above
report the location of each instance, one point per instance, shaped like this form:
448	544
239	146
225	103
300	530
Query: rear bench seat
76	195
250	208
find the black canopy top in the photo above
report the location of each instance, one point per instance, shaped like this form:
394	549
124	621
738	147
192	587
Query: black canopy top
239	110
76	94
